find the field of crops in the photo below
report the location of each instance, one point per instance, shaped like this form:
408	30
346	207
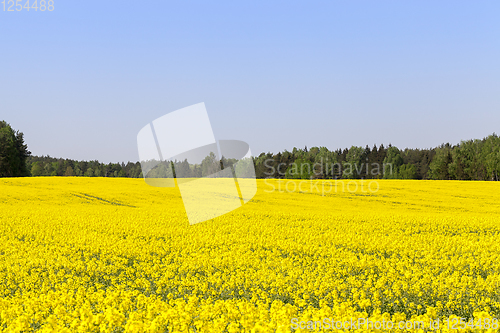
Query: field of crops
116	255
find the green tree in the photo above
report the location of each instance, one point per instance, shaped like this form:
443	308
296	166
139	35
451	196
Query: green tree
69	172
353	166
47	169
182	169
55	169
89	172
78	171
13	152
407	171
300	169
36	169
60	168
244	168
392	162
326	164
440	165
210	165
491	153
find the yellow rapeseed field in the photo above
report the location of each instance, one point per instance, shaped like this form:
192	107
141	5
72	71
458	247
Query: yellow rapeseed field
116	255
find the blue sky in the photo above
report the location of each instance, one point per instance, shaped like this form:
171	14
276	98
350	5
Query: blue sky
82	80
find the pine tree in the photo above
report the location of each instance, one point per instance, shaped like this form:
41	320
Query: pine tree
13	152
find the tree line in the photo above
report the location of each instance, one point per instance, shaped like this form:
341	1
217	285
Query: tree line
50	166
477	159
468	160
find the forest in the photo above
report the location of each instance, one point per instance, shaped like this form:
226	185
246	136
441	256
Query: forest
477	159
468	160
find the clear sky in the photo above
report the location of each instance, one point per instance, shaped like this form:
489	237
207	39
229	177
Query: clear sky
82	80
